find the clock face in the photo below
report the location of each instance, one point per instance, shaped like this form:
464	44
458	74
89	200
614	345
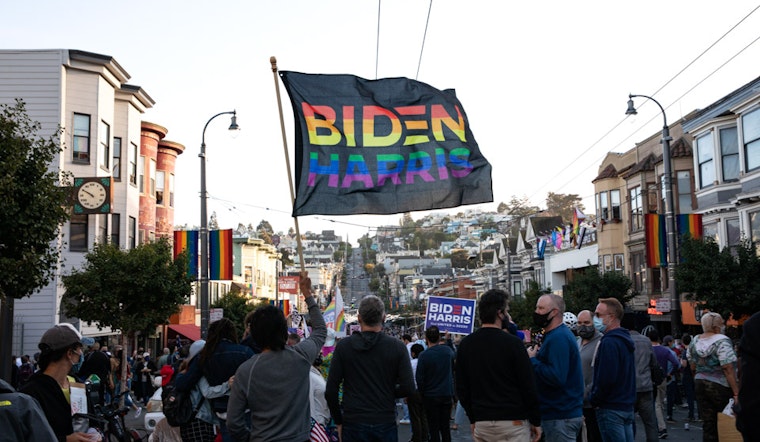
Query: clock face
92	195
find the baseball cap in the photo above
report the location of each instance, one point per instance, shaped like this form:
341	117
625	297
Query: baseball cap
62	336
195	348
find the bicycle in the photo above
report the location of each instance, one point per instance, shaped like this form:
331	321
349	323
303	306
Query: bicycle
108	422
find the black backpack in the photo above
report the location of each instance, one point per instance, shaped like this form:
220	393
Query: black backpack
658	374
178	406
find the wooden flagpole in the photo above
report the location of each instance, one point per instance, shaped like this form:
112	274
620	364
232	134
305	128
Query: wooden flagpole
273	61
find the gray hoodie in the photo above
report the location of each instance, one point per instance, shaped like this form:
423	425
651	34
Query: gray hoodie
21	417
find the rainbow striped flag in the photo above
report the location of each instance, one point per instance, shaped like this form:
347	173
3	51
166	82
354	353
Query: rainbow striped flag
334	315
690	223
187	240
220	255
282	304
656	240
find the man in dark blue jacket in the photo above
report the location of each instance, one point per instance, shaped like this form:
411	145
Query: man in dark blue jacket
613	393
435	382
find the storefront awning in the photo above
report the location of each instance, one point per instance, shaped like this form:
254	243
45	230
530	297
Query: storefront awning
190	331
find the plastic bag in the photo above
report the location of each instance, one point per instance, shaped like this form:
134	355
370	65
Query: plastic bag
729	410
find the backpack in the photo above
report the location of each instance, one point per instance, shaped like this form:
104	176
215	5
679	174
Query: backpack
658	374
178	406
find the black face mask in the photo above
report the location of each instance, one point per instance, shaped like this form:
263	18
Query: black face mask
586	331
540	320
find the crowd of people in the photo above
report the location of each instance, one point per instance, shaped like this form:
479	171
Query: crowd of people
585	380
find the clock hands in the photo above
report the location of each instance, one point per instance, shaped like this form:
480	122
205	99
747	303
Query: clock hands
88	193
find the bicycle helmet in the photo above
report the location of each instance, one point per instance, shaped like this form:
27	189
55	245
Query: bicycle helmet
570	320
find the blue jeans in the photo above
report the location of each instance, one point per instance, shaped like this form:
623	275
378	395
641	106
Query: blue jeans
355	432
615	425
562	430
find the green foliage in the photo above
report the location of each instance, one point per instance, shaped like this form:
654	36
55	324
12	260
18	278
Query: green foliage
518	207
459	258
236	306
130	290
33	204
561	204
521	309
724	280
584	291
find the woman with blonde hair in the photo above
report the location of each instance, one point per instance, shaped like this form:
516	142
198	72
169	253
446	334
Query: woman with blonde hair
712	359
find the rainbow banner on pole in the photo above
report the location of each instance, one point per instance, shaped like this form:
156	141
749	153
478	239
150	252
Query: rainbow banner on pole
220	255
334	315
656	240
690	223
187	240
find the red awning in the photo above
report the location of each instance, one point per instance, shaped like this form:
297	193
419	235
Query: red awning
190	331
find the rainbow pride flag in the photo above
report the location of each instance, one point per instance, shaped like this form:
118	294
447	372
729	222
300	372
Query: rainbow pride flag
656	240
220	255
334	315
282	304
690	223
187	240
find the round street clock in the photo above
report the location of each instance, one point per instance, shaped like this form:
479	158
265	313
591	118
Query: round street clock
93	195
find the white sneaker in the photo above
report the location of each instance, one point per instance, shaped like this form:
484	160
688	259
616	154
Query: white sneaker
404	421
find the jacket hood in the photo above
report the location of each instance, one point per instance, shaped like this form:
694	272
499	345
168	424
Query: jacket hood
624	335
705	347
6	387
364	341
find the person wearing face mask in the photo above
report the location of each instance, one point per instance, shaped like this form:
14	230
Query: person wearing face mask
61	353
713	360
613	392
588	339
559	376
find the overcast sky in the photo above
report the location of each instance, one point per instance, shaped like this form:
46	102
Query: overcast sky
544	84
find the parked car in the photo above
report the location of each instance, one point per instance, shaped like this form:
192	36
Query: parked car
154	410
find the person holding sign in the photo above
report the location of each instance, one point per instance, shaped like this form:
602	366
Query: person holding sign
61	352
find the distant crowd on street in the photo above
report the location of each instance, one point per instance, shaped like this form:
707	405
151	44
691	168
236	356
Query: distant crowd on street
584	380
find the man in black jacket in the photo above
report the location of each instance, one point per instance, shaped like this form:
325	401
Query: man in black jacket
370	365
494	377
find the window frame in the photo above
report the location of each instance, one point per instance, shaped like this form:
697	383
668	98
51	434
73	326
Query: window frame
615	207
141	173
724	156
160	192
683	193
747	141
78	231
133	164
703	164
116	160
132	233
104	142
115	235
635	202
80	136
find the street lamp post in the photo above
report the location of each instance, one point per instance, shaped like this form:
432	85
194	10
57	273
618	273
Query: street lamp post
670	226
204	225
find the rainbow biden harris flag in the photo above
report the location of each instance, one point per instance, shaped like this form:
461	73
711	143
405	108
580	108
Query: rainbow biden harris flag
381	147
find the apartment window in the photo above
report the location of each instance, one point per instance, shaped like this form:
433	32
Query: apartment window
615	204
604	207
751	137
710	230
607	263
152	177
619	262
78	233
104	136
651	196
160	179
102	235
639	269
141	174
116	165
637	211
705	152
115	229
517	289
729	151
733	234
131	232
133	163
683	183
81	138
171	190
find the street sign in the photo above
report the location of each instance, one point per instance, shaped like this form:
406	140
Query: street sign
215	314
663	305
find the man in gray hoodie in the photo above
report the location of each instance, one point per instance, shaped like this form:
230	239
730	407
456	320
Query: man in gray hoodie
375	370
645	359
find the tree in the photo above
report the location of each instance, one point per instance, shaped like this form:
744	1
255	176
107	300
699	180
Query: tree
723	281
34	201
518	207
236	306
584	291
128	290
265	231
458	258
561	204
